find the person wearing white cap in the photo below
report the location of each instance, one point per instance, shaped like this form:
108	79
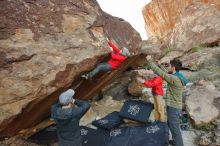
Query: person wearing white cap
66	116
117	57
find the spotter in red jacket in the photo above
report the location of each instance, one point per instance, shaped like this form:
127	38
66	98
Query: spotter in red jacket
156	84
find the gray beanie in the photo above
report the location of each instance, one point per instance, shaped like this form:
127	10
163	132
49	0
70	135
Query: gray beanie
66	97
125	52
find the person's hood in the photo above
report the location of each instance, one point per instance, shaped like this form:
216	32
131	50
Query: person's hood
66	97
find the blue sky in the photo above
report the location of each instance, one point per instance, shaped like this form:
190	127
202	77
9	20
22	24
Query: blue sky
129	10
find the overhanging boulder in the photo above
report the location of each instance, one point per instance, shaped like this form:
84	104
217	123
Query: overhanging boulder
44	47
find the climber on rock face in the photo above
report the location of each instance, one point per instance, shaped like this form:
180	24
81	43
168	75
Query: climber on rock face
67	114
117	57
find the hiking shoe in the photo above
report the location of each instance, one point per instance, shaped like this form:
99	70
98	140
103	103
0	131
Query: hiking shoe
86	76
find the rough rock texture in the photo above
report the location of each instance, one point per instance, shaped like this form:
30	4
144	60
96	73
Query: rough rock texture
200	102
160	15
17	141
217	132
118	90
205	139
205	64
189	138
197	25
136	88
88	117
203	58
182	25
45	45
106	106
151	46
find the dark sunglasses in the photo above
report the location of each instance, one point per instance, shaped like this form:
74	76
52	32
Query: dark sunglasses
166	64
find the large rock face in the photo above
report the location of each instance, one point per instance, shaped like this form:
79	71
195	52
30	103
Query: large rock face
204	64
197	25
160	15
45	45
182	25
203	58
200	103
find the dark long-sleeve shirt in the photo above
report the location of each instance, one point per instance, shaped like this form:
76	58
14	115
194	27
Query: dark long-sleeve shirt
67	121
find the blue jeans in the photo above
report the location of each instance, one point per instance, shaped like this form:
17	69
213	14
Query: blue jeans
101	67
173	117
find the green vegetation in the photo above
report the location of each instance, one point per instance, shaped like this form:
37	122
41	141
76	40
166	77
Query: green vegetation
197	48
210	127
168	50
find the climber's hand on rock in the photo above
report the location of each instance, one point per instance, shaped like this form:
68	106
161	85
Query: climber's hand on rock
73	100
107	39
111	49
148	57
158	62
141	80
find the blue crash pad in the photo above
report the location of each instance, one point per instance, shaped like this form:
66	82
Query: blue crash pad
147	135
136	110
112	120
92	137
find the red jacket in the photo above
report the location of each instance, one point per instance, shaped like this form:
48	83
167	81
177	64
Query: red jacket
156	84
116	57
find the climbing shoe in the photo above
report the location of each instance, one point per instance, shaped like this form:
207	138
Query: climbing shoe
85	76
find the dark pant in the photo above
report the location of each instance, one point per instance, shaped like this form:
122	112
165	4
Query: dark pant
101	67
173	117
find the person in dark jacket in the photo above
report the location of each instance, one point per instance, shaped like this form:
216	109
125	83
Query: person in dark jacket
117	57
67	114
